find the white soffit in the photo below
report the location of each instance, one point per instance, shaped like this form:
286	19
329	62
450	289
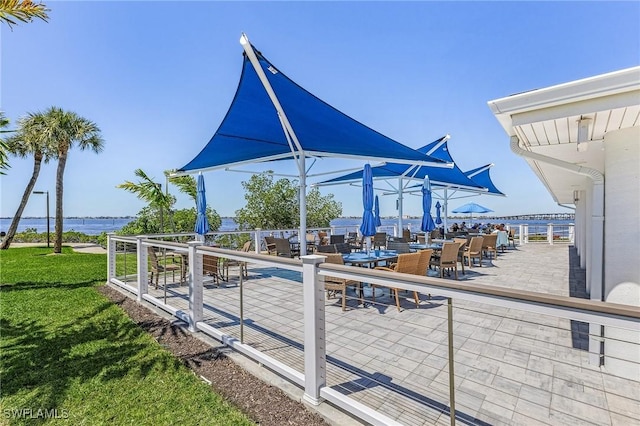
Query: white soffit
546	122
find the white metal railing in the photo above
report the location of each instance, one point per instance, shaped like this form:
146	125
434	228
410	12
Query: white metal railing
550	233
312	269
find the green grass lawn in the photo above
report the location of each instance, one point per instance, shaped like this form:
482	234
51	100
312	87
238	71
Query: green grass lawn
69	352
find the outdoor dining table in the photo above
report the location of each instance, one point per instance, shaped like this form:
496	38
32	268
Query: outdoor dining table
371	259
433	246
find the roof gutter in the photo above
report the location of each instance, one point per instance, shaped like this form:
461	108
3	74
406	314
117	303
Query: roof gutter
595	262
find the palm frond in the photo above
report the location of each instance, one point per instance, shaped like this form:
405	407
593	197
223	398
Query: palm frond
14	11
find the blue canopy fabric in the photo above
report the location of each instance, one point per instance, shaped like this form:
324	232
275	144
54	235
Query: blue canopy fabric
439	177
202	224
252	132
376	212
368	226
427	224
482	177
438	218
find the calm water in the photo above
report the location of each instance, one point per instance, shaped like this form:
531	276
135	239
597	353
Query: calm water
342	225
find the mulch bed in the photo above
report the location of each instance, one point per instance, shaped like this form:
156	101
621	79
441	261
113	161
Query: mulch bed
263	403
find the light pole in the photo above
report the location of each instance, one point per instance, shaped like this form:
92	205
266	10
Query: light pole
48	233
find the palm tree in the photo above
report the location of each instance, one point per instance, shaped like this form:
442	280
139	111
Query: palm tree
23	11
151	192
64	129
28	140
4	149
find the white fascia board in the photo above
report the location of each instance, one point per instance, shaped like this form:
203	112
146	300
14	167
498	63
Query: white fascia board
581	107
604	85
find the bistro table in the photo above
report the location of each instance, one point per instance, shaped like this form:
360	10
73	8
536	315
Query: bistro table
371	259
434	246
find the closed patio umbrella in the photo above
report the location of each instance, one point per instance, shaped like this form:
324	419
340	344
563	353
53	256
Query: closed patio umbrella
427	224
202	224
376	212
438	218
368	226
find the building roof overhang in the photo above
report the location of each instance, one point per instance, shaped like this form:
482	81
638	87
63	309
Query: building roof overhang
568	122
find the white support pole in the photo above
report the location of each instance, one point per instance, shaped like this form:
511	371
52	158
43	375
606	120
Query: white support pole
520	234
302	238
143	269
195	286
257	239
400	209
314	326
550	233
111	256
445	211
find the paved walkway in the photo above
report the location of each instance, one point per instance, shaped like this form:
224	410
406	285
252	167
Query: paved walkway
510	367
79	247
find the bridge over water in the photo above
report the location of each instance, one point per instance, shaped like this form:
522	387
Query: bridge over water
537	216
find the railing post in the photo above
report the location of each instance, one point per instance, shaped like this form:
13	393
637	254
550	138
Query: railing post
550	233
524	234
572	235
195	286
452	376
143	268
314	326
111	256
258	238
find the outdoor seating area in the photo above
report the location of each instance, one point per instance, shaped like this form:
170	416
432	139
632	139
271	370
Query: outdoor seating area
363	336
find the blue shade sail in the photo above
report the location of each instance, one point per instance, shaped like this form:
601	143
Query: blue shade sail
368	226
482	177
252	132
439	177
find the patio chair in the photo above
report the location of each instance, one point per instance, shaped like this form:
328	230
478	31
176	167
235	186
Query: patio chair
406	234
342	248
422	239
352	239
334	284
158	267
311	243
270	243
283	247
322	238
423	265
335	239
448	258
511	238
326	249
474	251
463	246
502	240
211	268
246	247
380	240
489	244
407	264
400	247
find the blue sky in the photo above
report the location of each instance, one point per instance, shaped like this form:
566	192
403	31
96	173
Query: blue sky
158	77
